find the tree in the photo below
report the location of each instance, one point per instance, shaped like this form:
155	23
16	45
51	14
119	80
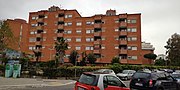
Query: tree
160	62
60	45
84	59
37	54
91	58
173	49
6	35
150	57
115	60
73	57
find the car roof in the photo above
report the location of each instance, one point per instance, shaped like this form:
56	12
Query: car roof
97	73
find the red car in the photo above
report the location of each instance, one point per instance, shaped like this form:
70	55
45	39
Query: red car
99	81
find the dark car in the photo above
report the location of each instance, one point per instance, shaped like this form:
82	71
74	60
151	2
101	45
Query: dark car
152	81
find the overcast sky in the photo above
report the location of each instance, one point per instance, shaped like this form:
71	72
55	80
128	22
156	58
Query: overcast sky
159	18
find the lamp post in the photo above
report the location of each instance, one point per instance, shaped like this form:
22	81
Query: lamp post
77	56
50	52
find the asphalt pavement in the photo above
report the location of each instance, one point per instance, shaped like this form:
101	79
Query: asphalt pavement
25	83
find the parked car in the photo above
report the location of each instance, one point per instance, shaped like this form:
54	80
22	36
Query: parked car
176	76
126	74
109	71
152	81
99	81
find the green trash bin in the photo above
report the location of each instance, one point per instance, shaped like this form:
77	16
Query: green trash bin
17	70
8	70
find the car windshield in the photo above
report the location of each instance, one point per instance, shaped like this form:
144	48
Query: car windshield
103	71
87	79
125	72
176	75
141	75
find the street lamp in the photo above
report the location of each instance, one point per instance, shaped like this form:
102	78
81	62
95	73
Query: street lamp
77	56
50	52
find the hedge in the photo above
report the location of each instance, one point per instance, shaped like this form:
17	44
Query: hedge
70	71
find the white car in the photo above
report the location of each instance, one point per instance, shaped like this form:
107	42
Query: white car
126	74
109	71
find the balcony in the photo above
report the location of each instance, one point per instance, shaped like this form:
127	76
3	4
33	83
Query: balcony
123	51
60	26
60	34
40	20
38	35
97	33
61	19
97	25
123	25
39	27
38	42
96	51
123	33
97	42
123	42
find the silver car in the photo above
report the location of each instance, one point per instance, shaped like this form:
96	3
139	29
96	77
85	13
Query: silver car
126	74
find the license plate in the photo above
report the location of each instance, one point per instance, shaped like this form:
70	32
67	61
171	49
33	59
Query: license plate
139	84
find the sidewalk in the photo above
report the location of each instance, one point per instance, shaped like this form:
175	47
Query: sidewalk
6	83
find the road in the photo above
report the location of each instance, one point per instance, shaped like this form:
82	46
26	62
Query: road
63	87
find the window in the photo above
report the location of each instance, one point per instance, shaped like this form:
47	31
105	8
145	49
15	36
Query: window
32	32
33	25
112	81
78	48
89	22
68	31
34	17
69	47
78	24
88	31
46	16
132	57
68	24
116	38
103	38
133	21
132	30
132	38
102	47
32	47
116	21
89	48
116	30
68	16
78	31
32	39
68	39
116	47
132	48
78	39
89	39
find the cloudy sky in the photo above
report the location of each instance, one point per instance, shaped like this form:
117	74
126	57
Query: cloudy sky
160	18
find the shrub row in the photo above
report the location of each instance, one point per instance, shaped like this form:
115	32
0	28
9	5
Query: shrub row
70	71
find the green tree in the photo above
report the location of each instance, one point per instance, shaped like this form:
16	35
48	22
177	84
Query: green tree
84	59
37	55
91	58
173	49
60	45
73	57
160	62
150	57
115	60
6	35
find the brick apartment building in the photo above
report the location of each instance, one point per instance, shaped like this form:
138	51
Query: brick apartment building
106	35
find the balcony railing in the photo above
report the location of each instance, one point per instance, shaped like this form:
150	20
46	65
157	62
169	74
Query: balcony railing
61	19
39	27
38	35
96	51
60	26
123	16
123	42
97	42
123	51
123	24
97	25
123	33
97	33
60	34
38	42
40	20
